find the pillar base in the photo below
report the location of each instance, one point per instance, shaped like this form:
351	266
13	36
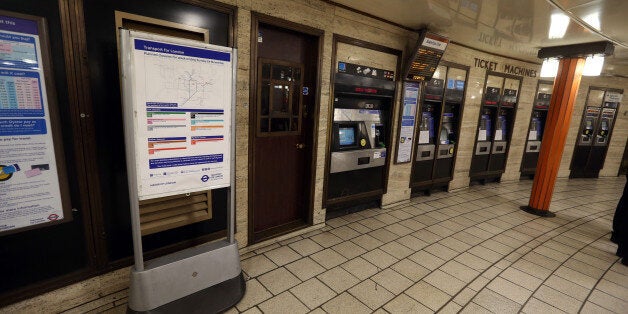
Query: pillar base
538	212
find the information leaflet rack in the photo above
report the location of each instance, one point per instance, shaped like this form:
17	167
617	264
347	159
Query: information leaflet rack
207	276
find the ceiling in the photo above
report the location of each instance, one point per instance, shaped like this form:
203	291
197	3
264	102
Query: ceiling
513	28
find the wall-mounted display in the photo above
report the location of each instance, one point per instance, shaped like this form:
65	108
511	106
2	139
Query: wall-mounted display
596	127
406	131
30	187
438	131
536	127
495	126
425	58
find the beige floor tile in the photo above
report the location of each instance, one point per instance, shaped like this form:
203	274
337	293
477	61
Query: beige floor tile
283	303
399	229
372	223
441	251
360	268
445	282
392	281
305	247
510	290
557	299
283	255
305	268
401	214
464	296
328	258
278	280
410	270
609	302
345	303
412	242
359	227
380	258
576	277
532	269
257	265
474	308
371	294
367	242
254	294
348	249
472	261
613	289
592	308
617	278
428	295
567	287
584	268
495	302
253	310
537	306
336	222
326	239
426	260
460	271
541	260
397	250
405	304
454	244
413	224
439	230
383	235
338	279
387	218
551	253
450	308
478	233
486	253
345	233
426	236
522	279
498	247
313	293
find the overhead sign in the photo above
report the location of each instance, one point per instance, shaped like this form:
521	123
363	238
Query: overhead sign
181	99
425	59
29	183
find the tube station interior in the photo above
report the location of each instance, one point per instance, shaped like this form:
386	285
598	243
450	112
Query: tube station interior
300	156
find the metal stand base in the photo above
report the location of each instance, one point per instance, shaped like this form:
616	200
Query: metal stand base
538	212
202	279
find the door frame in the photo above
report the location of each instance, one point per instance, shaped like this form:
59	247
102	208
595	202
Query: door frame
257	19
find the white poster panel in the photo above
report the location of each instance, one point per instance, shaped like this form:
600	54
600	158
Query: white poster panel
29	184
182	104
406	132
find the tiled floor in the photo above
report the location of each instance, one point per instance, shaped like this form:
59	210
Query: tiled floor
471	251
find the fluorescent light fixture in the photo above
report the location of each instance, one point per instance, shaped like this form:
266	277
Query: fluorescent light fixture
593	20
549	67
593	65
558	25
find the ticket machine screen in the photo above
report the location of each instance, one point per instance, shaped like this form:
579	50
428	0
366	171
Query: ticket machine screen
346	136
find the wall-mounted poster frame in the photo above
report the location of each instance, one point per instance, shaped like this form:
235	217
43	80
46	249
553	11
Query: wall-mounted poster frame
407	122
34	190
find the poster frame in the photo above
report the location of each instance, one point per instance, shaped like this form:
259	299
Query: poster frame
55	122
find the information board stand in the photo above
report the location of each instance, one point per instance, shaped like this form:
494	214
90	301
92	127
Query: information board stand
190	86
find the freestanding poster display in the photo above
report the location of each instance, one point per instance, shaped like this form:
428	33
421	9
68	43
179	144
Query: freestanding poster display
179	104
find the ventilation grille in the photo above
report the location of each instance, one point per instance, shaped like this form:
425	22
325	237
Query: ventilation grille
170	212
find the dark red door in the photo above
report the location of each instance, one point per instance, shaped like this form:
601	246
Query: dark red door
282	152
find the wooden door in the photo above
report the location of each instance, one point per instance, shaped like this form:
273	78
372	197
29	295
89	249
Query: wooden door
282	142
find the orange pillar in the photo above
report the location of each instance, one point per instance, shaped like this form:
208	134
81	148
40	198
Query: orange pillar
556	128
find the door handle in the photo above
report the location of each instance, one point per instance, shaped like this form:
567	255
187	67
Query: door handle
300	145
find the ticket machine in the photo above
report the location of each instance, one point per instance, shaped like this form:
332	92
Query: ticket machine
360	135
439	127
536	127
495	125
595	132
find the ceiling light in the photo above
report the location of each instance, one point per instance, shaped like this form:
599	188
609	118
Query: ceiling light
593	20
593	65
558	25
549	67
